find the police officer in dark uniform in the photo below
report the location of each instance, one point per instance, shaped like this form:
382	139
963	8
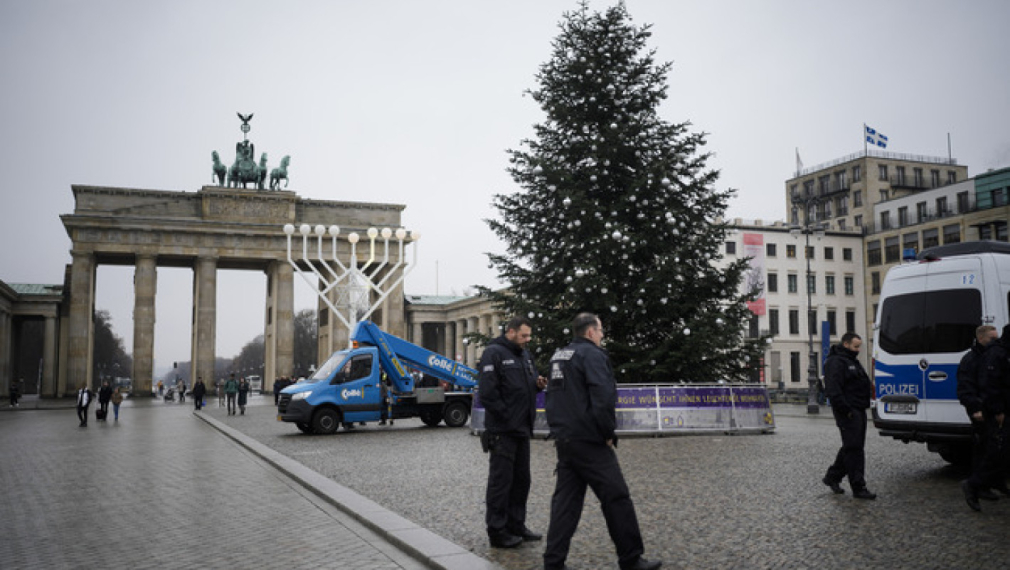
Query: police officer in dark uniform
849	389
581	402
508	387
969	393
994	382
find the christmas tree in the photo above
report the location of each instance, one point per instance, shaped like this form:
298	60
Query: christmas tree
617	215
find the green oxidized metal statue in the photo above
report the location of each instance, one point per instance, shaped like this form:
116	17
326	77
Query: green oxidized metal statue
219	170
278	173
245	170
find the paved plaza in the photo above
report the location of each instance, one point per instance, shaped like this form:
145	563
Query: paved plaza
165	489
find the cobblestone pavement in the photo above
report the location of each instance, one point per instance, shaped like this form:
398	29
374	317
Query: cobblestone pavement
703	502
161	489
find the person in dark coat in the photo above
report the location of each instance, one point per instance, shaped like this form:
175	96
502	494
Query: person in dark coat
104	397
994	384
83	402
969	393
581	411
507	388
243	394
199	391
849	388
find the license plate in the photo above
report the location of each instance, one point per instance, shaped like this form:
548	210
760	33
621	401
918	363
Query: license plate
900	407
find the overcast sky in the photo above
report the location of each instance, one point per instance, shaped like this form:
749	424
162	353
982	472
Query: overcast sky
415	103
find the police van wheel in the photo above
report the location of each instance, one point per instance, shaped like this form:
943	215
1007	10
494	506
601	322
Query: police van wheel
456	414
325	421
304	428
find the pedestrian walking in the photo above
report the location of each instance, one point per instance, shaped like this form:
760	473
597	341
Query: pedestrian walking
17	388
199	391
83	401
117	400
278	386
104	397
161	388
849	388
180	386
969	393
581	411
243	395
994	384
230	391
508	387
220	392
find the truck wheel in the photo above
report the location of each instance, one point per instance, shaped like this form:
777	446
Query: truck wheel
326	421
456	414
304	428
431	418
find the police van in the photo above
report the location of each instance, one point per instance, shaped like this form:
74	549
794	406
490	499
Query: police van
926	320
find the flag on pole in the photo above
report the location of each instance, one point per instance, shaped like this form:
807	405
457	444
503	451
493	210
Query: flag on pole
875	138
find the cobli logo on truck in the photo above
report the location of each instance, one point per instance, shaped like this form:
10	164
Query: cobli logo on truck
435	361
348	394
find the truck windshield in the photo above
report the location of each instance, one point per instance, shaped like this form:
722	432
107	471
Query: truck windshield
326	370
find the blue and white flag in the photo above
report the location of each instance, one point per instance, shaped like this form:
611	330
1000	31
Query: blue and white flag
875	138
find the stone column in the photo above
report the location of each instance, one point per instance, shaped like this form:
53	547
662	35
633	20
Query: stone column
472	325
204	321
49	357
145	287
450	339
284	314
418	334
81	333
460	331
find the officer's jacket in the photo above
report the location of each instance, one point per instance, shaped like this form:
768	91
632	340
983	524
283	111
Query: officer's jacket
508	388
994	380
969	392
581	393
847	385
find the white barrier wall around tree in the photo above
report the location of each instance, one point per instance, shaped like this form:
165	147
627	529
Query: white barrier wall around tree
674	409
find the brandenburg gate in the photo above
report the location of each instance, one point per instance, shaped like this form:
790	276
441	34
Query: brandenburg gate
210	229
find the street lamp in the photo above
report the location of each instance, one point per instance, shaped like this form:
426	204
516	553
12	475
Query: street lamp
809	227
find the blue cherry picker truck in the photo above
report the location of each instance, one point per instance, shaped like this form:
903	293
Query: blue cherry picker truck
370	381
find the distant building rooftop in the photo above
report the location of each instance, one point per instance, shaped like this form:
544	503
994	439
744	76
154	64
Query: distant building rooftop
434	299
36	289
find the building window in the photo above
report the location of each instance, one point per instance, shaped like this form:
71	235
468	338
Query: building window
899	175
873	253
858	221
921	212
892	250
846	254
794	367
827	208
824	183
791	251
731	248
841	180
794	321
902	216
829	253
829	284
773	282
998	197
841	224
963	203
832	323
773	322
882	172
934	178
857	173
930	238
812	321
754	328
791	283
809	252
885	220
770	250
951	176
850	321
910	241
850	285
812	283
917	177
857	198
952	233
843	205
941	206
875	283
883	195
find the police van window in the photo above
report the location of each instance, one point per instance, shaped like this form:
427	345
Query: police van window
932	321
361	367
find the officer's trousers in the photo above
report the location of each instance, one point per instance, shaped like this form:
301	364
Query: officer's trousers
851	458
508	485
991	472
582	464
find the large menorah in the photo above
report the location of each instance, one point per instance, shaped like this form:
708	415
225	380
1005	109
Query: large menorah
350	278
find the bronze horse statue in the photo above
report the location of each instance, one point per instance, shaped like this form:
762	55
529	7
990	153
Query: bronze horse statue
219	170
278	173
